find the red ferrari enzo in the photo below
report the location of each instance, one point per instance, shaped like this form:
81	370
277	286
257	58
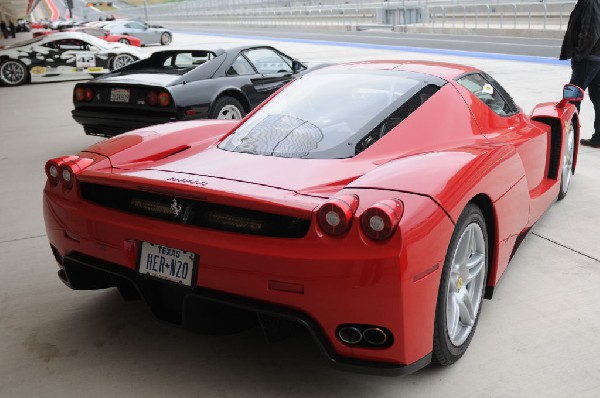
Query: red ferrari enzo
375	204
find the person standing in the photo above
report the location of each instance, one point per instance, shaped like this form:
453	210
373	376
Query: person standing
581	45
13	30
3	34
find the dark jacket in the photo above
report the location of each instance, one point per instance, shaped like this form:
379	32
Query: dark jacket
583	32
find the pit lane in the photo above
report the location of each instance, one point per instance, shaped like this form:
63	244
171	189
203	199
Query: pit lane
537	337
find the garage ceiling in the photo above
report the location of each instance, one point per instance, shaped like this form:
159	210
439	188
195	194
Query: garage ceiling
17	8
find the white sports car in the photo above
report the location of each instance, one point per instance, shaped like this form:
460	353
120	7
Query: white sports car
63	56
148	34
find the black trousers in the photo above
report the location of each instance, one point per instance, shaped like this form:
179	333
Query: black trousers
586	74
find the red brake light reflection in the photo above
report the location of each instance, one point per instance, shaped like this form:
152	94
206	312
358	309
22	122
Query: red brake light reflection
79	94
89	94
164	99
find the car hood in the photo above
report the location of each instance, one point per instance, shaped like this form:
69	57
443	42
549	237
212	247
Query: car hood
317	177
188	151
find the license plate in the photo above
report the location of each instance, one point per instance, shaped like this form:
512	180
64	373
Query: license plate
167	263
119	95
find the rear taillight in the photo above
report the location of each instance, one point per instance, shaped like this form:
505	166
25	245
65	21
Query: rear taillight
89	94
164	99
67	176
380	221
151	98
64	169
53	168
335	216
79	94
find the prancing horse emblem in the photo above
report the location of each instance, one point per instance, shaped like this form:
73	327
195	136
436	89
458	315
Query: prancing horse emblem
176	207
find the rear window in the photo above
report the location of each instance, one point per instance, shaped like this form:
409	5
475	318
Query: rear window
189	59
332	114
174	62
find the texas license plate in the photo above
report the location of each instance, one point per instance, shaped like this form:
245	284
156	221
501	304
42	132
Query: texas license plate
163	262
119	95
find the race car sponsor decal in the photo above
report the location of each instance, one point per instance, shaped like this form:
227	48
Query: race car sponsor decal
38	70
95	69
85	59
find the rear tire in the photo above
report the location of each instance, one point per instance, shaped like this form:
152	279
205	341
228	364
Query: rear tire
227	108
567	165
13	73
462	286
124	41
121	60
165	39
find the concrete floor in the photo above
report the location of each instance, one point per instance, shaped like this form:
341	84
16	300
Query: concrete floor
538	337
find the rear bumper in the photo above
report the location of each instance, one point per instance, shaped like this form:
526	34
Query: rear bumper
111	124
344	280
83	272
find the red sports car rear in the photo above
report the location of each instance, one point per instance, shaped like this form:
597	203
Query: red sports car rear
368	203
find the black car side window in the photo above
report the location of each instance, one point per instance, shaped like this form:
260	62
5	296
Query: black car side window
70	44
267	61
240	67
490	93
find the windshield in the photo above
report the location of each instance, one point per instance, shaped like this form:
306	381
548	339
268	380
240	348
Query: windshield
330	115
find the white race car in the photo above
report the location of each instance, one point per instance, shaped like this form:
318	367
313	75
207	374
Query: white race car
63	56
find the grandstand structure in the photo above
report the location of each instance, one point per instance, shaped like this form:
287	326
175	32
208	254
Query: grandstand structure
545	16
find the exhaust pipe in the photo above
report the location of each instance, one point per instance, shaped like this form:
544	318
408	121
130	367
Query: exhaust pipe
375	336
350	335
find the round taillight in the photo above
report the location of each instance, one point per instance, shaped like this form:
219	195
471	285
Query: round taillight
79	94
89	94
64	169
151	98
66	175
335	216
52	171
164	99
379	221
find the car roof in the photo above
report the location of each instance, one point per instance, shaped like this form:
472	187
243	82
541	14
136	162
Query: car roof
446	71
217	48
68	35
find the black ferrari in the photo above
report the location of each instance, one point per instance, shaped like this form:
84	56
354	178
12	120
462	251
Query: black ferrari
218	82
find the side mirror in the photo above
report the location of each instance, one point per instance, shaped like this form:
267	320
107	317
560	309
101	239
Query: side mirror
297	66
571	93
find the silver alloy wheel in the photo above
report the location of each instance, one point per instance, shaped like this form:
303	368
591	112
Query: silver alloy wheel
567	169
165	39
229	112
12	72
465	284
123	40
121	60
